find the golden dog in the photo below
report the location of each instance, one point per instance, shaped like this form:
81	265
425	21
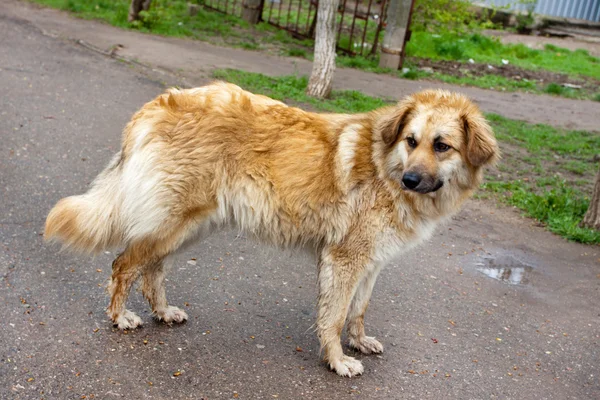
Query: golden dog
360	189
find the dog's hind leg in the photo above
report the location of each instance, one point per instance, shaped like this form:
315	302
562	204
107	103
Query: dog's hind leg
356	315
126	269
339	274
195	227
153	288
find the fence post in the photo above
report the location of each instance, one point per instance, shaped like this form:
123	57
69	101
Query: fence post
396	33
252	10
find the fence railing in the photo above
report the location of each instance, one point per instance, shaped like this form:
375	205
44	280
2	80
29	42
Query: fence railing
360	22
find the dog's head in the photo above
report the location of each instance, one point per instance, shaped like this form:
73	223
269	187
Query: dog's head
435	141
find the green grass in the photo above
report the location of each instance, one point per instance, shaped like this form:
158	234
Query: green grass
559	90
171	18
547	142
295	52
484	49
560	208
547	197
554	88
293	88
490	81
495	82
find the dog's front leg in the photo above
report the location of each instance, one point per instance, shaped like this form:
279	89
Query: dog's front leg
339	274
356	314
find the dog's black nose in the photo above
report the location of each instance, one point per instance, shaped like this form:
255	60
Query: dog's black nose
411	180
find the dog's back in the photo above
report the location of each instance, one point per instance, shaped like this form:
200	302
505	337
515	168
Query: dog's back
220	154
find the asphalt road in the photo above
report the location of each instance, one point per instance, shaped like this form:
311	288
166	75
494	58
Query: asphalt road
449	330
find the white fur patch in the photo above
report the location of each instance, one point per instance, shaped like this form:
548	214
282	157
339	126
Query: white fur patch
140	131
417	125
244	204
390	244
425	230
143	208
128	320
398	157
347	151
365	288
448	168
171	314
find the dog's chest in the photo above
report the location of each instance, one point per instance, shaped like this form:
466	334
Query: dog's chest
391	242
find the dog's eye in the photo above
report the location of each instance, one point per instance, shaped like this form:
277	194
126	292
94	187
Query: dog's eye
441	147
411	142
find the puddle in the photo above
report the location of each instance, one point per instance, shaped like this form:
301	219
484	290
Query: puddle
506	269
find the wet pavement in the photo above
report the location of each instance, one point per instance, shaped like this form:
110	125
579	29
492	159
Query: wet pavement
506	268
449	329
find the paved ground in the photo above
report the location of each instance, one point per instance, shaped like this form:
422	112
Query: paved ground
450	331
196	60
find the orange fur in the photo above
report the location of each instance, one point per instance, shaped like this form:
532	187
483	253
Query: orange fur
193	160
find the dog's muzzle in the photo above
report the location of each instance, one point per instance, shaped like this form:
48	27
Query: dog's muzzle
421	183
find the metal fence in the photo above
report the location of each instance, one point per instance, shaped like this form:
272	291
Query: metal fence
588	10
360	22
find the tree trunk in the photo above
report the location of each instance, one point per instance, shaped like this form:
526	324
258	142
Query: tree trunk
252	10
592	216
323	69
135	8
313	25
397	28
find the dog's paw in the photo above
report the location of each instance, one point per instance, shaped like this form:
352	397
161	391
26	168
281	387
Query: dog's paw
127	320
171	314
347	366
366	345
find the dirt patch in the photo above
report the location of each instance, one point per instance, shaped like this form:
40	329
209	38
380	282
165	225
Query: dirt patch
541	77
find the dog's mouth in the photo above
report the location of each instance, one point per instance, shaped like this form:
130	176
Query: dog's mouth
424	188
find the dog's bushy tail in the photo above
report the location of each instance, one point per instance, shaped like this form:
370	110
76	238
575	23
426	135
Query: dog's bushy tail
90	222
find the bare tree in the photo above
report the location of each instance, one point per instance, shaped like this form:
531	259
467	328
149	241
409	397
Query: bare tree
135	8
592	216
323	69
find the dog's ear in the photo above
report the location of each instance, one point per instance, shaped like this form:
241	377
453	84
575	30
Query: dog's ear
482	147
392	124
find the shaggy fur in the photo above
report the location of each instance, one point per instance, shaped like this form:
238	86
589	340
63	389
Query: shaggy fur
194	160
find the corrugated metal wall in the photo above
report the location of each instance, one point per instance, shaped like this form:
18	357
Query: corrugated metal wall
581	9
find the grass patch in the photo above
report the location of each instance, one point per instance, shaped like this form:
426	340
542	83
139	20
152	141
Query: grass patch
296	52
488	81
171	18
554	88
559	90
484	49
495	82
531	176
293	88
560	208
547	142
